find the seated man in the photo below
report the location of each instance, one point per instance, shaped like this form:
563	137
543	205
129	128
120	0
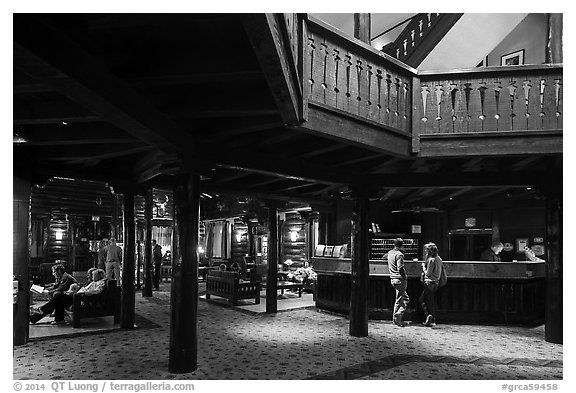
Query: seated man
62	281
62	300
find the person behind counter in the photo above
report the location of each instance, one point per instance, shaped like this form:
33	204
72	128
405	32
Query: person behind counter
492	254
399	281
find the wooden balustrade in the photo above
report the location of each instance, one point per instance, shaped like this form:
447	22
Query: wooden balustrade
345	74
412	35
350	79
420	36
523	98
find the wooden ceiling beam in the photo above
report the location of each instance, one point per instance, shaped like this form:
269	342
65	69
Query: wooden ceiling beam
265	182
49	56
263	195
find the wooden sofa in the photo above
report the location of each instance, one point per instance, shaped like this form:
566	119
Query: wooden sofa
227	285
104	304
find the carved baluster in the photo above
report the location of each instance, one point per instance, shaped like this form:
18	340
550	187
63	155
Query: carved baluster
557	88
369	71
526	86
439	91
497	89
512	90
467	90
337	59
542	88
406	108
453	92
388	84
482	90
311	79
420	24
379	79
405	43
397	53
429	20
424	92
348	62
397	84
412	35
324	48
359	69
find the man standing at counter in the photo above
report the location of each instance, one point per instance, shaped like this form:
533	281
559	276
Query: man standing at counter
399	281
492	254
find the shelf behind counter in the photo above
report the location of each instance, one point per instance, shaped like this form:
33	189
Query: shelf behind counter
477	292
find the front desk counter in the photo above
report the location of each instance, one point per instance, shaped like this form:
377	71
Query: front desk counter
476	292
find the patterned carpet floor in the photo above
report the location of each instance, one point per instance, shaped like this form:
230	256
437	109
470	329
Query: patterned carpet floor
292	345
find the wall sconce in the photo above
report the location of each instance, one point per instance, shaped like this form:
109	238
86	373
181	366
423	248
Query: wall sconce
294	236
200	250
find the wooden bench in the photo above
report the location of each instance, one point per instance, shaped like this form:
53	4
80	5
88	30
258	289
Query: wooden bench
101	305
228	285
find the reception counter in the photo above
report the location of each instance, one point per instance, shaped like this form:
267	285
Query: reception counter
477	292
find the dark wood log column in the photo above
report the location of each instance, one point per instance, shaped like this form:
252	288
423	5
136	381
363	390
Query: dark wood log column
20	257
148	202
554	38
360	268
272	277
362	27
138	265
554	301
184	292
128	265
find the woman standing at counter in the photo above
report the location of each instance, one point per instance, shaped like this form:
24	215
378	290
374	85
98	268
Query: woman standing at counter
431	270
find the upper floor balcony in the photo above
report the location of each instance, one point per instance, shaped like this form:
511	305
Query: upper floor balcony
348	90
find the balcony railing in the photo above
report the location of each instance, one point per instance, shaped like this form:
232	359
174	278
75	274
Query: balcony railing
347	75
343	75
493	99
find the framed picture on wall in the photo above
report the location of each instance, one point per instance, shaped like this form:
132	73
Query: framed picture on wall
514	58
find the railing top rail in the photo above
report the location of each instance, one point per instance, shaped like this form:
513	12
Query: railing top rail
339	34
492	70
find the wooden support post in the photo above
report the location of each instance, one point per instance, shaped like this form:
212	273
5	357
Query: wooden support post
554	301
554	38
128	265
184	292
360	268
21	257
138	265
272	277
114	219
362	27
147	288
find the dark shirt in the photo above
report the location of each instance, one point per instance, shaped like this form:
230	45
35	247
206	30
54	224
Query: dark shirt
157	254
63	284
489	255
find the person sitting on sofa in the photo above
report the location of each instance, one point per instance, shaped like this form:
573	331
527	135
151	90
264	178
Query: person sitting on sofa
61	300
62	281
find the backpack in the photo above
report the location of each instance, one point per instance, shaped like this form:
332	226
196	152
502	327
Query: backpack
443	277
